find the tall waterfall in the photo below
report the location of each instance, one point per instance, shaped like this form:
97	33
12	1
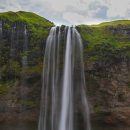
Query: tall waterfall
64	104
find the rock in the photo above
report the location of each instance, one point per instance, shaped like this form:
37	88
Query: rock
116	116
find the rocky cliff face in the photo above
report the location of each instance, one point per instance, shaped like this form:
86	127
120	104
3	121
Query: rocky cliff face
108	73
22	42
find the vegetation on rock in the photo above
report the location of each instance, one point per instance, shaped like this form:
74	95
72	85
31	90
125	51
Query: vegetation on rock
13	25
108	41
107	64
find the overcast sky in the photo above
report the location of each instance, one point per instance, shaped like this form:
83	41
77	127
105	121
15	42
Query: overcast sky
72	12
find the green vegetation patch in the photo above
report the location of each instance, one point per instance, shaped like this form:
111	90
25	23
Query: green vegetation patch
27	103
106	42
5	86
13	35
27	17
97	108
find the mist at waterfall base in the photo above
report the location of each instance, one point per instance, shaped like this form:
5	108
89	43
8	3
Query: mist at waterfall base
64	104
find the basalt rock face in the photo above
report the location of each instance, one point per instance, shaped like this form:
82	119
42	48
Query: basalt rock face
22	44
108	72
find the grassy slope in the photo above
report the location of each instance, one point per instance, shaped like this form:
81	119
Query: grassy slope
101	33
101	30
27	17
36	24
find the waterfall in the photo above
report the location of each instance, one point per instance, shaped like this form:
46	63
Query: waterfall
64	104
1	30
66	110
14	42
12	46
25	48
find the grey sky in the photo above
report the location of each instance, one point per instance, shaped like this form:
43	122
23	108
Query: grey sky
72	11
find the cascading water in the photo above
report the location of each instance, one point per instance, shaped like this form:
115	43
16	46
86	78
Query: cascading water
64	105
1	30
25	48
14	42
66	120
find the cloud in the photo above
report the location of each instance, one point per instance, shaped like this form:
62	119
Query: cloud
72	17
72	11
98	10
118	8
6	5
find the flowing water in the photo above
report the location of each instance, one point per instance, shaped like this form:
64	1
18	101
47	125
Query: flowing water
64	104
14	42
25	48
1	30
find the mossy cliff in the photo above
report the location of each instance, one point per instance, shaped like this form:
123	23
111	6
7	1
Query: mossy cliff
106	59
22	43
107	69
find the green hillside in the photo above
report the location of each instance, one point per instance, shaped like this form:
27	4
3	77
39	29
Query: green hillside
36	24
13	27
107	42
27	17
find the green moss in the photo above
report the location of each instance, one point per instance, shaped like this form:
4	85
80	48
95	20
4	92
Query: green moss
11	70
27	17
97	108
5	86
27	103
37	25
95	36
107	43
3	89
34	70
92	59
103	33
128	84
7	26
37	31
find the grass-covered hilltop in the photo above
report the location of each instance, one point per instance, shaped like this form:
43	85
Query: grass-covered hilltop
28	18
106	57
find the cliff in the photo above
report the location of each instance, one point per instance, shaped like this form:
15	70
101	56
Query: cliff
22	43
106	58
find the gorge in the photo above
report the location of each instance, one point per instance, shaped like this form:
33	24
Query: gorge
106	56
